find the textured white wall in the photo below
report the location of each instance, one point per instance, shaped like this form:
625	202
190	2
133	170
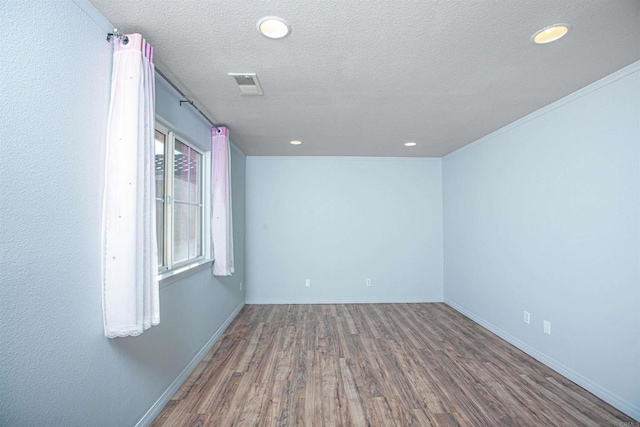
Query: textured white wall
56	366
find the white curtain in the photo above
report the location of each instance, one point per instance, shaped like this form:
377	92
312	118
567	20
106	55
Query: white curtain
221	213
130	298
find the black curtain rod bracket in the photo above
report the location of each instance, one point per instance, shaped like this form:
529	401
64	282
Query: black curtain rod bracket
186	99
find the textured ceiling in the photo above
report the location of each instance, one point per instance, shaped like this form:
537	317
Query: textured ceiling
360	78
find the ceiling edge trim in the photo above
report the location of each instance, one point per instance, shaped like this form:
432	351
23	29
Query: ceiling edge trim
350	158
95	15
574	96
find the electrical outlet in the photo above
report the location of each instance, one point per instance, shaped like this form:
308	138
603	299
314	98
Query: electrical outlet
547	327
527	317
307	283
240	286
368	282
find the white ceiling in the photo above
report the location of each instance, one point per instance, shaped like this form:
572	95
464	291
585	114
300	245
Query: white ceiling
360	78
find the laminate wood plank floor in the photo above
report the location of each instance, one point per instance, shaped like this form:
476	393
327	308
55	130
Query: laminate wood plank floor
374	365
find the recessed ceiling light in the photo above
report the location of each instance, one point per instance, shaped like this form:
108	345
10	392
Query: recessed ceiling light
550	34
273	27
410	144
295	142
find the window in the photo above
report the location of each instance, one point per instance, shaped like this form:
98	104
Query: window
180	201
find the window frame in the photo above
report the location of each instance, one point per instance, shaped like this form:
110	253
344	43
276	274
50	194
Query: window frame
169	268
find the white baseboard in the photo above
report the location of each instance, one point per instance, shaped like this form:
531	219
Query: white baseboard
155	409
375	300
604	394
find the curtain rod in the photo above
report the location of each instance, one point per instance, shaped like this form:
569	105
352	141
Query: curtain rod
117	35
186	99
125	40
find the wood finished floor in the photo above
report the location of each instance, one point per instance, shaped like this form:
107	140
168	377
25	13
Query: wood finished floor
378	365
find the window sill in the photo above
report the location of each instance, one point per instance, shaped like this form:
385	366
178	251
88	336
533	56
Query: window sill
169	277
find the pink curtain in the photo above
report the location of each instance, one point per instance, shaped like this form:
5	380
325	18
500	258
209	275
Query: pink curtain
130	300
221	213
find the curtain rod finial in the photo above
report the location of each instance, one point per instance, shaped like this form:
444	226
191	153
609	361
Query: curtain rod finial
220	131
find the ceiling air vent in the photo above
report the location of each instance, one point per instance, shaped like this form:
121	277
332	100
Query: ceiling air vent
247	83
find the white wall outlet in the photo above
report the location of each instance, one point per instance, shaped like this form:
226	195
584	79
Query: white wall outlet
240	286
547	327
368	282
307	283
527	317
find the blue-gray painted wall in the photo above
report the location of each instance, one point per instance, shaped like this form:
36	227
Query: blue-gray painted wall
544	216
541	216
56	366
339	221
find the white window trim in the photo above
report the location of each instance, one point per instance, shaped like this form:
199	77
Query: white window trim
171	276
183	269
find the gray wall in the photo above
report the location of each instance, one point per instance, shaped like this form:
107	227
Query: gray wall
544	216
56	366
338	221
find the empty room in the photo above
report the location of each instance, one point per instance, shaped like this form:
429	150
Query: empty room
320	213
